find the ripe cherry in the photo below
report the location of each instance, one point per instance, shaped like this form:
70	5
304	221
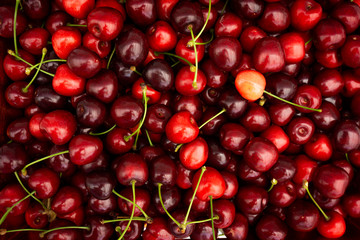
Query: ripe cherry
193	155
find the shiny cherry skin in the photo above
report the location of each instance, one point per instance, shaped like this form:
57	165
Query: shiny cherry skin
105	23
329	34
179	215
348	14
100	184
102	207
283	194
159	74
250	9
69	234
142	13
250	36
268	55
67	83
126	111
98	230
275	18
161	36
158	230
157	117
66	200
84	149
256	118
234	136
16	97
78	9
198	206
58	126
132	167
309	96
56	20
162	170
212	127
283	170
302	216
115	142
234	104
184	82
225	52
346	136
132	47
34	126
334	228
171	197
35	216
350	203
319	147
62	162
203	231
238	230
134	231
328	118
281	113
229	25
271	227
350	51
34	40
101	48
260	154
218	156
294	47
142	199
84	62
183	49
16	69
45	182
329	82
64	40
184	176
7	22
47	99
225	210
305	14
251	199
90	112
181	128
212	184
300	130
305	169
185	15
215	77
192	104
11	194
193	155
277	136
18	131
104	86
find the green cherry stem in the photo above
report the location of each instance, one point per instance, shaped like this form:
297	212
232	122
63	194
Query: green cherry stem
5	231
291	103
75	25
174	64
223	9
61	228
28	192
212	38
308	41
15	19
25	89
47	61
184	223
149	139
306	186
202	221
212	217
166	211
124	219
347	158
12	53
110	58
133	182
133	68
206	22
194	85
145	101
176	56
102	133
24	172
273	183
136	140
128	200
8	210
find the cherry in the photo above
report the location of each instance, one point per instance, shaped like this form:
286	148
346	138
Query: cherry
132	47
158	230
9	196
98	230
218	156
294	47
161	36
162	170
305	14
333	227
228	25
78	9
211	185
256	119
192	104
64	40
181	128
215	77
198	206
66	82
185	49
350	51
159	74
15	66
35	216
307	96
34	40
250	36
103	86
7	22
101	48
214	125
132	167
179	216
275	18
157	118
271	227
45	182
83	62
300	130
346	136
329	82
281	113
184	176
62	229
329	34
142	13
100	184
127	111
189	83
133	232
115	141
18	131
277	136
171	198
203	231
238	230
90	112
233	136
105	23
282	194
251	199
268	55
225	210
62	162
233	102
103	207
302	216
185	14
319	147
56	20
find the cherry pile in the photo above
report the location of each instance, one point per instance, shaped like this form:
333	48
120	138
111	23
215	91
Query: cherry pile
179	119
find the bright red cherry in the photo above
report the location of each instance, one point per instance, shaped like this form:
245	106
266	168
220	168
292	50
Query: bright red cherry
161	36
277	136
84	149
64	40
305	14
334	227
45	182
294	47
193	155
319	147
78	8
67	83
212	184
182	128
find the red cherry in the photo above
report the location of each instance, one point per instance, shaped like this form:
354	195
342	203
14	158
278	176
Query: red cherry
193	155
212	184
184	82
112	4
161	36
334	227
66	200
34	40
319	147
58	126
182	128
78	8
84	149
229	25
64	40
305	14
45	182
294	47
16	69
277	136
67	83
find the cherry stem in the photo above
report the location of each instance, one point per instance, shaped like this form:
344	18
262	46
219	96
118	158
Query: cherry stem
194	85
223	9
28	192
15	19
176	63
47	61
149	139
204	43
176	56
145	101
136	140
124	219
133	182
202	221
178	147
12	53
75	25
262	101
308	41
347	158
306	186
61	228
102	133
110	58
25	89
291	103
273	183
218	114
204	26
24	172
212	217
133	68
126	199
8	210
166	211
184	223
4	231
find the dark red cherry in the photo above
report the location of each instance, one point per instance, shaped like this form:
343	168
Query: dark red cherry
103	86
215	77
250	9
281	85
56	20
45	182
101	48
142	13
7	22
268	55
58	126
350	51
193	155
115	142
66	200
256	118
300	130
283	194
157	117
260	154
329	82
83	62
132	166
184	176
192	104
162	170
225	52
34	40
84	149
225	210
348	14
179	215
100	184
18	131
234	104
281	113
103	207
218	156
308	96
277	136
134	231
275	18
127	111
35	216
186	14
11	194
228	25
132	47
68	234
251	199
305	14
171	197
212	127
16	69
329	34
158	230
233	136
159	74
16	97
250	36
346	136
302	216
98	230
90	112
271	227
238	230
203	231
